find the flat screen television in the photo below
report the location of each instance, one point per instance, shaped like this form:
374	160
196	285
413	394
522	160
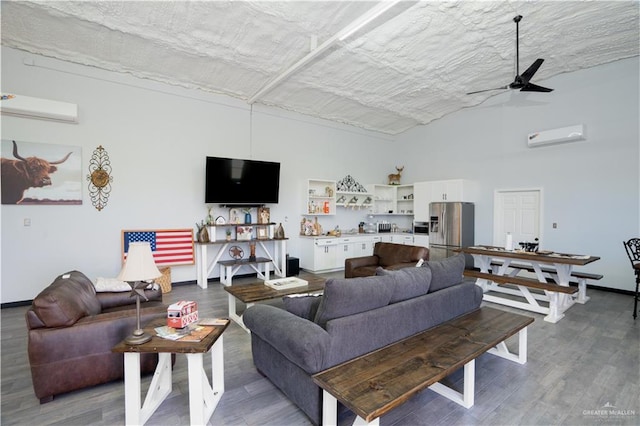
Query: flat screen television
237	181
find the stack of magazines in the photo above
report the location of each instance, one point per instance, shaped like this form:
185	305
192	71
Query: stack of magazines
190	333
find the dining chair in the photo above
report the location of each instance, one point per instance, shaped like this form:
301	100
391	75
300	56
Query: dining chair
633	251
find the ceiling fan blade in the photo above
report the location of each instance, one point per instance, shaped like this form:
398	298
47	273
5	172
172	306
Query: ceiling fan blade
488	90
530	87
528	74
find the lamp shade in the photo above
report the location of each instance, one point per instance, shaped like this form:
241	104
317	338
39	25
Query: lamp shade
139	265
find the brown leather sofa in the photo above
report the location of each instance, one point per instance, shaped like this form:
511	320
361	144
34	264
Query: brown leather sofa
386	255
72	330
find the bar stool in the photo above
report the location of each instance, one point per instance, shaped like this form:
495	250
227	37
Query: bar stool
633	251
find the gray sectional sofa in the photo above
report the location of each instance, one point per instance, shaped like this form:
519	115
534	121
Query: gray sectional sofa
353	316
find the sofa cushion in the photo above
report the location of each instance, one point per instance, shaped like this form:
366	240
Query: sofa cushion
343	297
303	305
446	272
70	297
111	284
409	282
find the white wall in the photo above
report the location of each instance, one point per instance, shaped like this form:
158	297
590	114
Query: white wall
590	188
157	137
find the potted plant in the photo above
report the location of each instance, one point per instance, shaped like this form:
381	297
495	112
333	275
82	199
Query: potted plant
228	234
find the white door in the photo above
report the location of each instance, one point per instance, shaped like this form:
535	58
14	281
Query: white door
517	212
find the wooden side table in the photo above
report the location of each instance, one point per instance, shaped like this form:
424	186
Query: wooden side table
203	395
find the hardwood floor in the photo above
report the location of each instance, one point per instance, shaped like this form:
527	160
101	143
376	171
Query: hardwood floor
578	370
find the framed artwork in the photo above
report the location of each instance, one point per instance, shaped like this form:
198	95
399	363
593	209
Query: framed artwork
168	246
244	233
234	216
41	173
262	233
264	215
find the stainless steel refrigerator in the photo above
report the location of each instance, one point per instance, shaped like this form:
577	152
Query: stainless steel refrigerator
451	226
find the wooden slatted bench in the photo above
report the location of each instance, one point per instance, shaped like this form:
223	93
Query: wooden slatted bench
527	282
375	383
580	277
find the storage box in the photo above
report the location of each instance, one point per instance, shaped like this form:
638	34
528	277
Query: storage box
165	279
181	314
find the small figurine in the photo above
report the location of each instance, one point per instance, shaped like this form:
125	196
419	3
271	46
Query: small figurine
394	179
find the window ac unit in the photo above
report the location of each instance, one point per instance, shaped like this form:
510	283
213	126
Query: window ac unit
44	109
548	137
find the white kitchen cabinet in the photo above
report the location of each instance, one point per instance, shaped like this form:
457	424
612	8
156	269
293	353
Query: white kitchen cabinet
421	240
438	191
329	254
421	200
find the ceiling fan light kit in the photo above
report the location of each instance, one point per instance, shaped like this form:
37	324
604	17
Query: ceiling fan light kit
555	136
521	81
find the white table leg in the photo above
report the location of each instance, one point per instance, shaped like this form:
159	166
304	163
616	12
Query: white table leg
502	351
466	398
233	312
329	409
582	291
203	396
160	388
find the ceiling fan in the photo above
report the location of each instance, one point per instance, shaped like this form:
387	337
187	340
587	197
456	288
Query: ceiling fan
521	82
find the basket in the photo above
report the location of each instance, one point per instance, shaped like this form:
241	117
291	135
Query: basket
165	279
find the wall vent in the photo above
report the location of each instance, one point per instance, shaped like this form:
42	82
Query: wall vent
562	135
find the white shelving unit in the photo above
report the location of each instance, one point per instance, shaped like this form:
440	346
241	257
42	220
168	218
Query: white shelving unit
392	199
320	197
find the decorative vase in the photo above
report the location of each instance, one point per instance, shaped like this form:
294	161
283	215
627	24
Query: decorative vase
247	218
279	232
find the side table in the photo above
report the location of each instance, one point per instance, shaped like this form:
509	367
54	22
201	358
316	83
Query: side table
203	395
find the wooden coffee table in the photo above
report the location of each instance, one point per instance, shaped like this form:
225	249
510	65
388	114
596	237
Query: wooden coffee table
249	294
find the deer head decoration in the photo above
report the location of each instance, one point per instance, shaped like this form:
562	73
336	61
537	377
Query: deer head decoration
394	178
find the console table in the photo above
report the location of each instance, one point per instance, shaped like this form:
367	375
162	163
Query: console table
272	252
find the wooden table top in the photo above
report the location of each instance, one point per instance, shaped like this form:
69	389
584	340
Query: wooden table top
258	291
375	383
544	257
158	344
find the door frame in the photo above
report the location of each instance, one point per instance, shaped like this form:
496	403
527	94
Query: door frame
496	194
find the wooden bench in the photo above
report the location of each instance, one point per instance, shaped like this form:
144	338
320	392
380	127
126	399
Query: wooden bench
373	384
580	277
527	282
228	268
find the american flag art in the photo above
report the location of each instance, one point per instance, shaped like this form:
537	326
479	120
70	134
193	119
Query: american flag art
169	246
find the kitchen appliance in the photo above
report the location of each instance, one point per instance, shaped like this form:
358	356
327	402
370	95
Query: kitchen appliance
451	226
384	227
421	234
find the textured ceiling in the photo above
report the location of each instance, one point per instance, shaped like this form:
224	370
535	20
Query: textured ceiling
411	65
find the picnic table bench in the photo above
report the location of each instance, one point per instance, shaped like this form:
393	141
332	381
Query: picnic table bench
375	383
580	277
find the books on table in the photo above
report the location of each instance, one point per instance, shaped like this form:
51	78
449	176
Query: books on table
286	283
191	333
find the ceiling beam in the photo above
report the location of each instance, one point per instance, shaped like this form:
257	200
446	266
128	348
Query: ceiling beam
341	35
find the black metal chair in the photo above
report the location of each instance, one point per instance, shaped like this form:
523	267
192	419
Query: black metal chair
633	251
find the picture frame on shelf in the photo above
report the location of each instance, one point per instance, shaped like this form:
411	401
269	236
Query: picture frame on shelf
235	216
244	233
264	215
263	233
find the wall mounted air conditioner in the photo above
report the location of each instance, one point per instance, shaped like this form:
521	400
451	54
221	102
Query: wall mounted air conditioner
565	134
43	109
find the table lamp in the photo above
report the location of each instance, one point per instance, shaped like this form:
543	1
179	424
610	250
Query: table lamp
138	268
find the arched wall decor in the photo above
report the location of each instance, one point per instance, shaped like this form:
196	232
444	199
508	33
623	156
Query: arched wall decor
99	178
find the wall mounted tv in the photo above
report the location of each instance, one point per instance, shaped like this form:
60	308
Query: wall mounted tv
236	181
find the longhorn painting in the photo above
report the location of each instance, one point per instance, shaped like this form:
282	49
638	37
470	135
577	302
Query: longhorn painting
36	173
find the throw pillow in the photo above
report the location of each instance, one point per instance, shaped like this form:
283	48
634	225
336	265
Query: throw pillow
303	305
446	272
409	282
111	284
350	296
